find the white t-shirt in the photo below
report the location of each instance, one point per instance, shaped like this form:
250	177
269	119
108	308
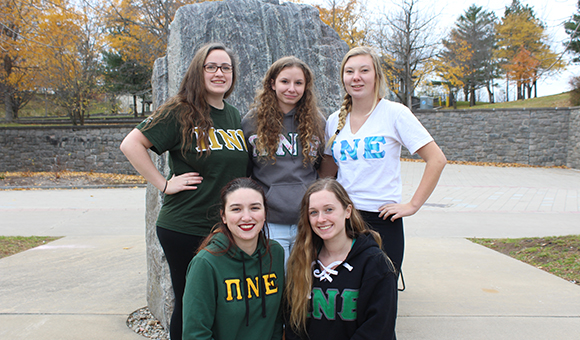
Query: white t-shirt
368	161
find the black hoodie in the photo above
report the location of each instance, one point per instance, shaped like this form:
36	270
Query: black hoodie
357	300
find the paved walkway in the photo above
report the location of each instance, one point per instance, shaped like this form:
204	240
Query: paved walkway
84	285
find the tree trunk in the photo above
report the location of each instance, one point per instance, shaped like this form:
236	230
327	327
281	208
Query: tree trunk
490	94
471	96
9	107
135	106
73	117
452	99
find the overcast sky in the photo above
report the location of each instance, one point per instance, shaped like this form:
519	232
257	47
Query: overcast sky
553	14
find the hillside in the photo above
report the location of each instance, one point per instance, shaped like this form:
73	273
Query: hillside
557	100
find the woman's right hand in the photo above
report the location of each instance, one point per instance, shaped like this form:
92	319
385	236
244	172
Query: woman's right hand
186	181
135	146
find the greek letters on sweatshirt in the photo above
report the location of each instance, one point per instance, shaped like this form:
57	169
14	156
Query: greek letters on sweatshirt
194	212
358	302
234	295
286	180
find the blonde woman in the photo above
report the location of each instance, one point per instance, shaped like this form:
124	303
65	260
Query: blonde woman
364	140
340	284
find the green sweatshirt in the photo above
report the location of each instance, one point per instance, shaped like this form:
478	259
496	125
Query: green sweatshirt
233	295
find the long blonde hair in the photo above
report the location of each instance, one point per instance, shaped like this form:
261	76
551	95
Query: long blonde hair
304	252
190	103
380	85
269	116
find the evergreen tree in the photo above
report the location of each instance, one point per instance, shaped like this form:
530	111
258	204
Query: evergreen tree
476	29
573	30
126	77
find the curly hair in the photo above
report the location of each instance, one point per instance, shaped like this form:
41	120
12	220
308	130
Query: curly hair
380	85
304	252
190	103
269	116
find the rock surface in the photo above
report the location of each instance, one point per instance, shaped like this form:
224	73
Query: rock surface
259	32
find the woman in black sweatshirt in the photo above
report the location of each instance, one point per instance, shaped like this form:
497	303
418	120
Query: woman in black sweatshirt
340	284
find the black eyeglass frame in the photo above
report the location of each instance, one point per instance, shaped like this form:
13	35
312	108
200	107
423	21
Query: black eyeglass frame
231	68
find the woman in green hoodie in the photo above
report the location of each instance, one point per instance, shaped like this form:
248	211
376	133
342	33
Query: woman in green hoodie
234	284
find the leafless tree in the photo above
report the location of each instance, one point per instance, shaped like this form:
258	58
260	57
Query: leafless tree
407	39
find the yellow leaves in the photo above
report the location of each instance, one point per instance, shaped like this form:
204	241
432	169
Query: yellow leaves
518	29
17	18
138	30
65	178
453	66
344	16
521	44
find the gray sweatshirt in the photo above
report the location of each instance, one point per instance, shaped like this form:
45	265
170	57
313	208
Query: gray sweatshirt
286	180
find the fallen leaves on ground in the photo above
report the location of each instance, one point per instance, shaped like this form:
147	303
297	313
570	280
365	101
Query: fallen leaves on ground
495	164
30	180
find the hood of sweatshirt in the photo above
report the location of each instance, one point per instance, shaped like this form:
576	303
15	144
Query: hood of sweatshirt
361	243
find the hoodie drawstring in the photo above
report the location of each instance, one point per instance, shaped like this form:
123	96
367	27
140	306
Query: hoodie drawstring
261	288
244	284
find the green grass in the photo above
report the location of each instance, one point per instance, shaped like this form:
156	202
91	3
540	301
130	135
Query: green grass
10	245
559	255
43	107
557	100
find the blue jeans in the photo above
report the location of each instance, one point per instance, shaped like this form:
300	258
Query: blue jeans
285	234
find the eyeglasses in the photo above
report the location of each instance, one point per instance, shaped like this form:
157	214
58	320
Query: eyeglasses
212	68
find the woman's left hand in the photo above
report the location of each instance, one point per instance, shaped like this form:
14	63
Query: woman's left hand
397	210
435	162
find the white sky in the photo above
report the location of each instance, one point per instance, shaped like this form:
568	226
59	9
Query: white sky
553	14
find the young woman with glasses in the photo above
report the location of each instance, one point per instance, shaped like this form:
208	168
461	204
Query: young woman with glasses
203	136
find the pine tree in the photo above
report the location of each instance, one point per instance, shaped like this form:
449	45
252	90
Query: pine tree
476	29
573	30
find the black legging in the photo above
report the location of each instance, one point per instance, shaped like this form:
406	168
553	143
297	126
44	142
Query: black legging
391	234
179	249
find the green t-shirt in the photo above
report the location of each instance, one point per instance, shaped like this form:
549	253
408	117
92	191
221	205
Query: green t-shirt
195	212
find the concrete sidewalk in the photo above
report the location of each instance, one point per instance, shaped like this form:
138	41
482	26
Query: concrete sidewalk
85	285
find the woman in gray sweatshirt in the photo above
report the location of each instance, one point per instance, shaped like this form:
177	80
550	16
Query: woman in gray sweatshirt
284	133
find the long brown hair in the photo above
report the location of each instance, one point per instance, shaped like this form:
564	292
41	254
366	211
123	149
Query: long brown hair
190	104
220	227
380	85
269	116
304	252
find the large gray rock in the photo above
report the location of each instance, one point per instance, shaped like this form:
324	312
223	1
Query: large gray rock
259	32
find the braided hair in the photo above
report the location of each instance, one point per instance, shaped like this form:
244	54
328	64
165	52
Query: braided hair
380	85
